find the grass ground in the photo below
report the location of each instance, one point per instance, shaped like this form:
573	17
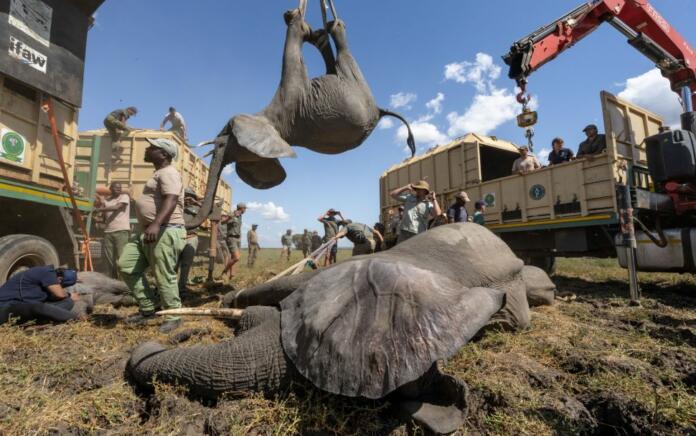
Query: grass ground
591	365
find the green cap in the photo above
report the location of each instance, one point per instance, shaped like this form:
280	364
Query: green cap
165	144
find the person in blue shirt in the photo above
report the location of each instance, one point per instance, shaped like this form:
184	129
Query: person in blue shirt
457	212
559	154
39	293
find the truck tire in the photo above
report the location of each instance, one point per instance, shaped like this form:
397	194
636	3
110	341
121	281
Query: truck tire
20	252
547	263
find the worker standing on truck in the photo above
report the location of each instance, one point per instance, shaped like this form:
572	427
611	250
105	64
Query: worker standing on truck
361	235
457	212
178	125
253	244
234	238
116	211
286	242
160	240
116	121
559	154
191	207
594	144
419	206
526	163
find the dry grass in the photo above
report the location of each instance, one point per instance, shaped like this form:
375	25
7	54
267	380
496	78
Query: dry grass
589	365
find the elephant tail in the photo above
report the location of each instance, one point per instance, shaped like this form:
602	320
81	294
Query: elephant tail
410	141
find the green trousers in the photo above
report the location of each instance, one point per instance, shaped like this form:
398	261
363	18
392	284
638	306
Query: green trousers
112	246
115	128
161	257
253	253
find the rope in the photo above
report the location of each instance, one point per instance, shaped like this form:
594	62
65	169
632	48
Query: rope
85	249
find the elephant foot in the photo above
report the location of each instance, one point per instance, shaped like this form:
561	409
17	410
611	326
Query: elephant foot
293	18
319	38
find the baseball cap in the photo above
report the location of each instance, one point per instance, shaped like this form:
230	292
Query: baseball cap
590	126
479	204
165	144
241	206
188	192
69	277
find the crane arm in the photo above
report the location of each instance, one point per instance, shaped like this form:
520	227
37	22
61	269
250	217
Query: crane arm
644	27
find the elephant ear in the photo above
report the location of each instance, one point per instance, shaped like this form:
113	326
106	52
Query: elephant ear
366	327
257	135
262	174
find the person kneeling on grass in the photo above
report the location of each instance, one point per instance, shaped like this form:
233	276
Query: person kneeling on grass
38	294
361	235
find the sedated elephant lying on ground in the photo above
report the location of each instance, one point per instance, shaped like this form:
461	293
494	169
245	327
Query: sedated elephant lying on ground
331	114
102	289
373	326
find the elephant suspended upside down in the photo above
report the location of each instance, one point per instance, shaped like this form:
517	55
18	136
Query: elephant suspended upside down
329	114
372	326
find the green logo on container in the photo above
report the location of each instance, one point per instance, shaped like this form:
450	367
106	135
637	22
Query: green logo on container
537	192
489	199
12	147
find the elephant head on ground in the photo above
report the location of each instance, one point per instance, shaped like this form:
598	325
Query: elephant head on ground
331	114
373	326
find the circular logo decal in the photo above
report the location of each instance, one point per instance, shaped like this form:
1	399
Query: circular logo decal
489	199
537	192
12	144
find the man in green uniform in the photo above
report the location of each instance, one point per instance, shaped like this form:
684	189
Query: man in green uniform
594	144
306	243
191	207
234	238
286	241
253	243
160	238
361	235
116	121
116	211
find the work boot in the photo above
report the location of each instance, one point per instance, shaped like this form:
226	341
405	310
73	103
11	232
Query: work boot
140	319
170	325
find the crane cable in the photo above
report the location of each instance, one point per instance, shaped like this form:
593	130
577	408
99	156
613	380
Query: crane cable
48	108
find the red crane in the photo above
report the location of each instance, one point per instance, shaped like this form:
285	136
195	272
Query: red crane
638	20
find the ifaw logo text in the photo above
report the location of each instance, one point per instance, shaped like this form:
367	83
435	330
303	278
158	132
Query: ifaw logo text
21	51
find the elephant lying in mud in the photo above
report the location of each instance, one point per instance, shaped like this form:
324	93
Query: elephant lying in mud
332	113
374	326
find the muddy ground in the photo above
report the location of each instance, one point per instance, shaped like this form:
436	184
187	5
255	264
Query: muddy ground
589	365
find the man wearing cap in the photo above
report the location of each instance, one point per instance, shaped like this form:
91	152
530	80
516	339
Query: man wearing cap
457	212
328	219
594	144
234	238
116	121
191	207
480	209
526	163
419	207
160	239
559	154
361	235
178	125
40	291
116	212
253	243
286	242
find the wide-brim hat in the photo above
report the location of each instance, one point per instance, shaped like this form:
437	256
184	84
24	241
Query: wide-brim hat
422	185
463	196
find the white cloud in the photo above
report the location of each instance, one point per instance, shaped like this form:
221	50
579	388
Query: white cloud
543	156
385	123
652	91
228	170
435	105
481	73
402	100
425	134
269	211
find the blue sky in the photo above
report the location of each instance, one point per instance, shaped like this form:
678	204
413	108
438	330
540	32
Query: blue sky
438	63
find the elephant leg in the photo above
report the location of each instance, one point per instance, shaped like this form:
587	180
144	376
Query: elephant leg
253	317
255	361
320	39
346	65
269	293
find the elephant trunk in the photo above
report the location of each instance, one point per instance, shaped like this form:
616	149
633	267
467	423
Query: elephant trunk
253	361
216	166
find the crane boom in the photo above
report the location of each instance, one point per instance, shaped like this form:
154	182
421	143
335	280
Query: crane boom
638	20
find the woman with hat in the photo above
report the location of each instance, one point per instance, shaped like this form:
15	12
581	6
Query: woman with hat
457	212
419	207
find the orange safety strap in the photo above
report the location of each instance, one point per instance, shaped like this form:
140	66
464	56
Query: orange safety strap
85	249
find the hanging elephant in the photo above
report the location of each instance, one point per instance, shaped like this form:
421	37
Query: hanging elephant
331	114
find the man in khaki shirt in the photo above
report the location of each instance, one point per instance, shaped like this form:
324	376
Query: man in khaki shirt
253	242
160	239
116	211
526	163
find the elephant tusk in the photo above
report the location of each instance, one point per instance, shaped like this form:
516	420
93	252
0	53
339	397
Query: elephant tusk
204	143
216	312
